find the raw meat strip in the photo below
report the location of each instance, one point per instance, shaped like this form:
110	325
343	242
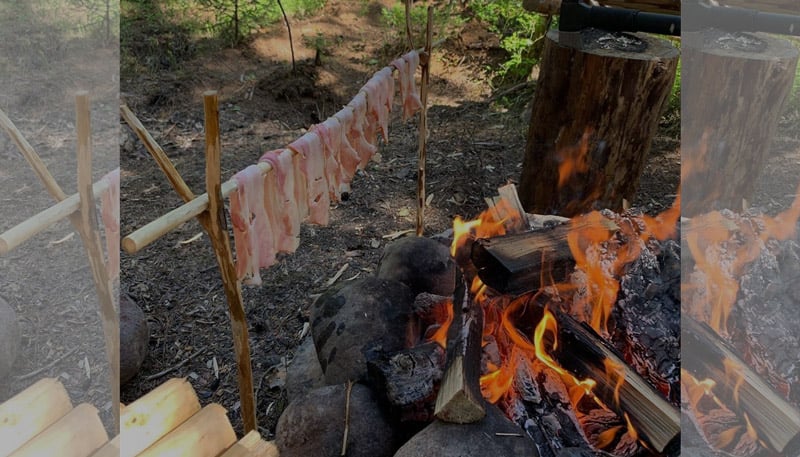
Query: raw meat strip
279	195
360	130
331	143
252	231
110	215
312	166
380	92
349	159
409	96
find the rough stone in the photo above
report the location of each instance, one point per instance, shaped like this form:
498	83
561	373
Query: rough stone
363	319
304	372
134	337
313	425
422	264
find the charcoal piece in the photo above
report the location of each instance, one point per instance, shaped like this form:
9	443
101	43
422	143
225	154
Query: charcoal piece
134	337
9	338
363	319
494	436
422	264
304	372
313	425
647	317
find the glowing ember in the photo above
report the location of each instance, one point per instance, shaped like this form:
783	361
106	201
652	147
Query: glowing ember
440	336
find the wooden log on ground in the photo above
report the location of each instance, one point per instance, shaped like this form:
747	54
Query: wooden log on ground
110	449
460	399
29	412
77	434
776	421
251	445
515	264
594	116
733	89
206	434
154	415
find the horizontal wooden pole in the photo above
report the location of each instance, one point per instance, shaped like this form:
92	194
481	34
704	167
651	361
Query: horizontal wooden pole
78	434
159	227
22	232
110	449
206	434
252	446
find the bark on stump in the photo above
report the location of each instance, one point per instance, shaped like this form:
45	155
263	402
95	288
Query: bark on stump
733	91
598	109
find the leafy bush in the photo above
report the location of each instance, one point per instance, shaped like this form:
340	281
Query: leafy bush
445	21
520	32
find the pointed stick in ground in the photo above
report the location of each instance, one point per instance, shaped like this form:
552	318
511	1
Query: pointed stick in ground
423	125
218	234
409	39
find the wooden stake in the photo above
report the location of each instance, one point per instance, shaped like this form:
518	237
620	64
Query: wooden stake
218	234
409	38
460	399
29	412
776	421
87	228
423	125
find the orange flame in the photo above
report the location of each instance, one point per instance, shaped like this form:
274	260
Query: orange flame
440	336
574	160
615	369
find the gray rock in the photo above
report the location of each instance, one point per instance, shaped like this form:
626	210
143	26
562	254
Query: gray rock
313	425
133	338
422	264
363	319
480	439
304	372
9	338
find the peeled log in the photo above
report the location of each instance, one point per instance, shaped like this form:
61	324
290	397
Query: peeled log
733	92
615	98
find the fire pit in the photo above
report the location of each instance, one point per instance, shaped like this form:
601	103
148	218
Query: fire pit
530	335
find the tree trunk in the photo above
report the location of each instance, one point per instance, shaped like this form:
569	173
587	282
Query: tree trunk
594	115
734	88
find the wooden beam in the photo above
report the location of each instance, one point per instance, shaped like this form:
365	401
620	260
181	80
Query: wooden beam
460	399
22	232
251	445
77	434
218	234
206	434
776	421
31	411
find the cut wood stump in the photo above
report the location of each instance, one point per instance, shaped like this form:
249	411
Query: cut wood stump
594	116
733	91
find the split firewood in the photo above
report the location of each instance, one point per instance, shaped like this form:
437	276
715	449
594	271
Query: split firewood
775	420
460	399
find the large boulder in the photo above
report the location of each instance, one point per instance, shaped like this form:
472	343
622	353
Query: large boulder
422	264
304	372
363	319
313	425
9	338
134	337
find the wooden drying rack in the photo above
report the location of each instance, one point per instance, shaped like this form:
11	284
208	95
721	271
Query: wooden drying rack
208	208
80	209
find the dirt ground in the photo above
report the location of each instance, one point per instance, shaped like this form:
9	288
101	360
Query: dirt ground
475	146
47	280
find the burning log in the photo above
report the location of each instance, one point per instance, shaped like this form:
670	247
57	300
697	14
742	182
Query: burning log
776	421
581	351
515	264
460	398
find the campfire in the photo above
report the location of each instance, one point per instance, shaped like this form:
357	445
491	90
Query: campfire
739	332
557	336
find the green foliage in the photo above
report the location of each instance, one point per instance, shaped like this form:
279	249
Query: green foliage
520	33
446	21
100	19
237	19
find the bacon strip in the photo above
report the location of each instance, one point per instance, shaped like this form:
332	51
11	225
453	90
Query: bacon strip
110	216
362	131
409	94
380	94
279	195
331	144
312	167
252	230
349	159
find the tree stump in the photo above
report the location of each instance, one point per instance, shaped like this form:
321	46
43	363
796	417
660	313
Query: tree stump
734	86
594	115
